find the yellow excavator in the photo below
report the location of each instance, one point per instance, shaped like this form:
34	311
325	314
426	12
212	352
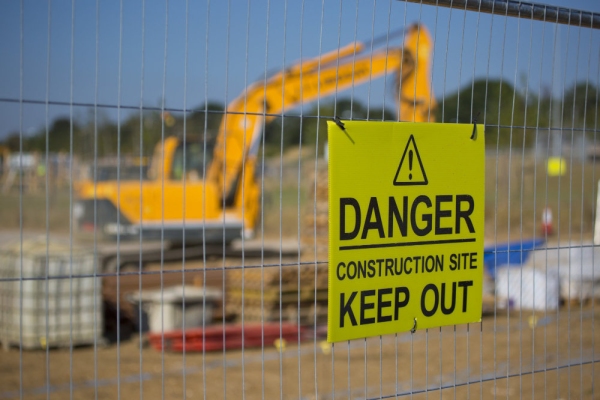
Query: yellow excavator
214	196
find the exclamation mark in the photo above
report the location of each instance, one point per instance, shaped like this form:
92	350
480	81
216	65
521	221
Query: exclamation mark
410	157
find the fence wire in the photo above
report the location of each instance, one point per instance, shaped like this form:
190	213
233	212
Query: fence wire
164	210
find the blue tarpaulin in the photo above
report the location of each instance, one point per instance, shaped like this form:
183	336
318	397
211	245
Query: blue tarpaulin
512	254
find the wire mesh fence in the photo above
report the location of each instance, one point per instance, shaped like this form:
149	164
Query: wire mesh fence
164	195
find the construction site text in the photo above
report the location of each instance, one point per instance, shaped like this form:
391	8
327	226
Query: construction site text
389	267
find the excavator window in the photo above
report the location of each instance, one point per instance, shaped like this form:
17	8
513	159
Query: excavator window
190	160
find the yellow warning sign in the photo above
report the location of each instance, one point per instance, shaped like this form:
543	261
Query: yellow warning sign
406	219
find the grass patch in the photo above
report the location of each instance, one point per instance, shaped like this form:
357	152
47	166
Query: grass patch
35	211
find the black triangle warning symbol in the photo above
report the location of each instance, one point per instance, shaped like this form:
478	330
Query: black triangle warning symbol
410	171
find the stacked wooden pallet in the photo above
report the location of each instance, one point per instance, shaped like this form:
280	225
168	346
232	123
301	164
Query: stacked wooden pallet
315	231
287	293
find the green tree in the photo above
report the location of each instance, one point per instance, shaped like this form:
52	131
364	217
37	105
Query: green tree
291	130
581	107
207	116
496	103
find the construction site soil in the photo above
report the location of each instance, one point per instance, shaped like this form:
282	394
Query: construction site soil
509	355
495	357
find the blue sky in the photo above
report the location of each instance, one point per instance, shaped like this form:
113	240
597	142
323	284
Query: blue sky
141	52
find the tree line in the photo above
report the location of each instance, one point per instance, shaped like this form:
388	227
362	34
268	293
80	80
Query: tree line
512	117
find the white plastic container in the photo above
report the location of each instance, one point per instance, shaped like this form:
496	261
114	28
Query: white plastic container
48	296
164	310
526	288
578	268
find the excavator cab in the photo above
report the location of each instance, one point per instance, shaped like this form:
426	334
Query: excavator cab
190	160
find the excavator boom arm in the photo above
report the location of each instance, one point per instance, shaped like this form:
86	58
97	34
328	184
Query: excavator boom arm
242	125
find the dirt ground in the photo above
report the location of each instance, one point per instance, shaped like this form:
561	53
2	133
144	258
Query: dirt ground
516	355
550	355
508	355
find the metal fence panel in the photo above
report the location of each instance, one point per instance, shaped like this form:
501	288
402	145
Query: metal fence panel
163	196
